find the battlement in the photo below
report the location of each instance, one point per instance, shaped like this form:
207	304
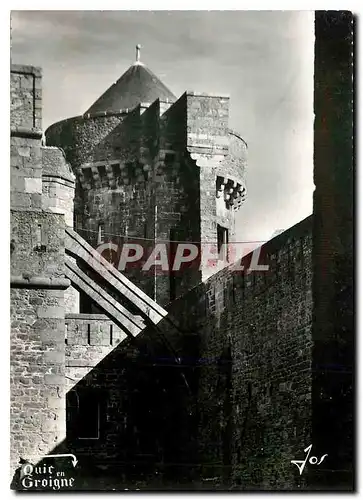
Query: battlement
196	122
26	70
206	94
92	330
116	173
232	191
25	99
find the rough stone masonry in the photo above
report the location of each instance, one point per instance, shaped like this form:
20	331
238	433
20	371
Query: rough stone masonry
37	284
219	388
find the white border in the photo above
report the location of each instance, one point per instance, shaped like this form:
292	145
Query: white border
353	5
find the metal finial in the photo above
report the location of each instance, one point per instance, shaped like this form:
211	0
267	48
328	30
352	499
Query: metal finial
138	47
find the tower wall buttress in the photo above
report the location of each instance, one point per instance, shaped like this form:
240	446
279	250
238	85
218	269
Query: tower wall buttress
220	156
38	282
58	197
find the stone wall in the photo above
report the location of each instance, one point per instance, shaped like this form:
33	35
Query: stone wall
37	334
334	337
141	406
37	362
58	185
25	123
236	408
254	366
221	158
25	97
111	188
78	137
176	199
37	421
152	175
89	339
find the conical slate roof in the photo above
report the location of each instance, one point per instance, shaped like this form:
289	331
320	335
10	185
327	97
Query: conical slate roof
137	85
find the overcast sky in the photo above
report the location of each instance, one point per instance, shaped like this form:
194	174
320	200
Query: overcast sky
263	60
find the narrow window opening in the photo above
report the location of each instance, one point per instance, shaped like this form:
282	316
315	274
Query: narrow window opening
84	413
111	334
39	235
222	241
89	334
40	246
101	233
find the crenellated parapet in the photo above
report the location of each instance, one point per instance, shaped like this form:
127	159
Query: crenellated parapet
230	183
116	173
111	174
215	147
232	191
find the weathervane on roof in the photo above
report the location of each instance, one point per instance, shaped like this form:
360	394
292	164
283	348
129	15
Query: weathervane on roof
138	47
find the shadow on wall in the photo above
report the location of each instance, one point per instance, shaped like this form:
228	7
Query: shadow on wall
131	422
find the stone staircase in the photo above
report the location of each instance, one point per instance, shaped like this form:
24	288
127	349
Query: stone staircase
148	312
121	300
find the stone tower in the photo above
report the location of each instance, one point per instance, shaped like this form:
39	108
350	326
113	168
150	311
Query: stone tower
151	168
42	192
